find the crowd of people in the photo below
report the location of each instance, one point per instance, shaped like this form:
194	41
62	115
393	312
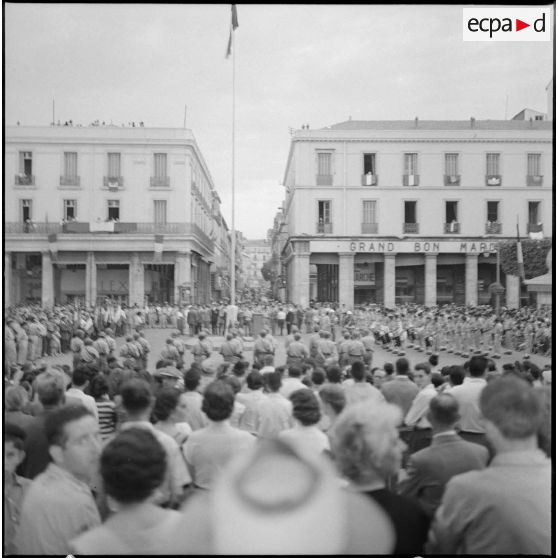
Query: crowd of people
210	451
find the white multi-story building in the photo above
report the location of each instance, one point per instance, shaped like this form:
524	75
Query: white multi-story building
106	211
256	253
401	211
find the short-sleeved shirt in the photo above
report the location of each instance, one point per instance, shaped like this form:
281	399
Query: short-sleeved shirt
56	508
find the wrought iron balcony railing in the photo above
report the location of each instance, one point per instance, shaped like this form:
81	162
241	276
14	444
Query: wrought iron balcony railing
452	179
493	228
369	179
113	182
493	179
534	180
324	228
324	179
452	228
160	181
369	228
534	227
411	179
410	228
25	179
69	180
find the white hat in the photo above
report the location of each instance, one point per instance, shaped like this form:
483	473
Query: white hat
273	500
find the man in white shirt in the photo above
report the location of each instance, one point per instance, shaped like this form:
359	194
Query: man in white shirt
416	416
468	396
274	414
292	383
76	396
360	389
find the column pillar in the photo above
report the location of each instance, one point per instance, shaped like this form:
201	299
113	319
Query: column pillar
182	273
430	278
471	279
16	286
389	280
90	280
513	289
47	273
347	279
136	281
8	280
299	279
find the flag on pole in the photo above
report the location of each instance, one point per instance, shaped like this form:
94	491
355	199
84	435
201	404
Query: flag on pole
234	25
520	266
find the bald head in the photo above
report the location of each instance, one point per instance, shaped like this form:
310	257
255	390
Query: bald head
443	411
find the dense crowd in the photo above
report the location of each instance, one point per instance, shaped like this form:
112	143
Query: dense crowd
208	451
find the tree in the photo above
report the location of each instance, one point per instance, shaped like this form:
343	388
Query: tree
269	270
534	257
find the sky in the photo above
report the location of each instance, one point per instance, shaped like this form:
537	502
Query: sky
295	64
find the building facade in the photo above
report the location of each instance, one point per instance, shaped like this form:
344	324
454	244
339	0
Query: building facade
256	254
412	211
105	211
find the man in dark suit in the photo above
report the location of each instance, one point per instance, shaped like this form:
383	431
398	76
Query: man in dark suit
429	469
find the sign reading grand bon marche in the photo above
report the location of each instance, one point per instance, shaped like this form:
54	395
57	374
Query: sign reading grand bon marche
402	247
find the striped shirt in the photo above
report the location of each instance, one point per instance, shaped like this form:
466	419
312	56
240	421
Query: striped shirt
107	418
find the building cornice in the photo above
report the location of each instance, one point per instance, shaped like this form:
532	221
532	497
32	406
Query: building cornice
421	140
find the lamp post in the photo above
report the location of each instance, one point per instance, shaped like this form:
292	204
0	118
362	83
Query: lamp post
497	288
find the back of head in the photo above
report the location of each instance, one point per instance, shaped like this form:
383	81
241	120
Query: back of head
133	465
477	366
273	381
318	376
15	398
456	375
268	360
165	403
306	408
294	372
512	405
388	367
192	379
402	366
80	375
136	395
254	380
51	386
358	371
433	360
99	386
234	382
334	395
333	374
218	401
444	410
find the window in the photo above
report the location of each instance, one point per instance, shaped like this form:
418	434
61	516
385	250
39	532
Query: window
325	168
492	164
534	164
369	163
113	160
70	165
160	212
451	212
70	210
113	210
26	213
324	212
25	163
369	211
411	163
410	209
492	211
534	212
452	164
160	165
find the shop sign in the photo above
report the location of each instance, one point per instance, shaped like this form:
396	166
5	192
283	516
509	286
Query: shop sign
403	247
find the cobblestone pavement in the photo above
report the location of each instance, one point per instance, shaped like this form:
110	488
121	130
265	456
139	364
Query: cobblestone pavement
157	337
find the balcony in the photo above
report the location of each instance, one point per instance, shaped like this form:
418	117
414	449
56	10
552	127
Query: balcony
24	179
534	180
324	179
160	181
452	228
534	228
410	180
369	228
108	227
69	181
493	227
113	182
493	179
452	179
410	228
324	228
369	179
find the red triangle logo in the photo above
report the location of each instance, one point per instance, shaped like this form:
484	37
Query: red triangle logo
519	25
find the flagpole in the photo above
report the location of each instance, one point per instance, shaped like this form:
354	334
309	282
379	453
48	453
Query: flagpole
233	242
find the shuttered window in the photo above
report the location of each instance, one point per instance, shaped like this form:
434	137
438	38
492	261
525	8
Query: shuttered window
114	165
534	164
160	212
70	164
369	211
324	164
411	163
492	164
452	167
160	165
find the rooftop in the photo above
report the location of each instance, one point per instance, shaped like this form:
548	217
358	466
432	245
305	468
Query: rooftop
441	125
